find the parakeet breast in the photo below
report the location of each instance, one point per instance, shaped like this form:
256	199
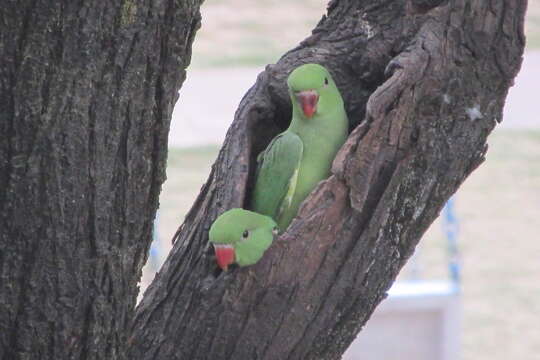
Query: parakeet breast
296	160
321	144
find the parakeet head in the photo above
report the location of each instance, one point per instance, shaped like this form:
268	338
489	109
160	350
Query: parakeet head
312	89
241	236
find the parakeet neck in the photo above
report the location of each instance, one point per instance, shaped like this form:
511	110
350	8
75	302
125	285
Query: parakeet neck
320	126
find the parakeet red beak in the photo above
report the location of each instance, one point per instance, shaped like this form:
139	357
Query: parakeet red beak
224	255
308	100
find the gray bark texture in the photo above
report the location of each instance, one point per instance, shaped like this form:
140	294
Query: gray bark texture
87	90
424	83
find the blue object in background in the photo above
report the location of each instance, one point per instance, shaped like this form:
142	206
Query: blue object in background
154	259
450	225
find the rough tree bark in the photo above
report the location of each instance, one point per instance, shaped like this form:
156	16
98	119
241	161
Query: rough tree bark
87	90
426	81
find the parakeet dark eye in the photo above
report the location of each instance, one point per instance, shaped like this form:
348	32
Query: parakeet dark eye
325	81
245	234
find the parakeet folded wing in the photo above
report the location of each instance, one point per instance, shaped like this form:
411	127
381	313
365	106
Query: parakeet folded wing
277	172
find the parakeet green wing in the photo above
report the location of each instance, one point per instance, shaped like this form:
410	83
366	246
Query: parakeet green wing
277	174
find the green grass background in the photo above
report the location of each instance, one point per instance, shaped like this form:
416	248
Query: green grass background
255	33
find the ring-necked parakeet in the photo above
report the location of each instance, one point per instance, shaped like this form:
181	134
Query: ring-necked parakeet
241	236
297	159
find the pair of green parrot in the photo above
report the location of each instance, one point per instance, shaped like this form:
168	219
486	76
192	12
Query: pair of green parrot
292	165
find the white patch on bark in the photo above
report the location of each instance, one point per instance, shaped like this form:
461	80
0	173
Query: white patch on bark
447	98
366	27
474	113
419	210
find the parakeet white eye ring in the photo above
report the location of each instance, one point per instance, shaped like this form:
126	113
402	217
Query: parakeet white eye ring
245	234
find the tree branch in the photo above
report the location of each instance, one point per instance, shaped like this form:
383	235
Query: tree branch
426	81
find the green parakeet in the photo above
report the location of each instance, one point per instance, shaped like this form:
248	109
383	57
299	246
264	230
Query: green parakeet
241	236
296	160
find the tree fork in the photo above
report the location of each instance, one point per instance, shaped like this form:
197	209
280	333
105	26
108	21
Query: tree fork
424	83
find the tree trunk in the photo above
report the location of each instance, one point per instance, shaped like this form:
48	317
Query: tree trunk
426	81
86	95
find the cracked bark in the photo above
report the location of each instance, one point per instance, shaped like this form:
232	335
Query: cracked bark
86	95
424	83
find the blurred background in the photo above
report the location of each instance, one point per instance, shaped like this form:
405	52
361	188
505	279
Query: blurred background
491	233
